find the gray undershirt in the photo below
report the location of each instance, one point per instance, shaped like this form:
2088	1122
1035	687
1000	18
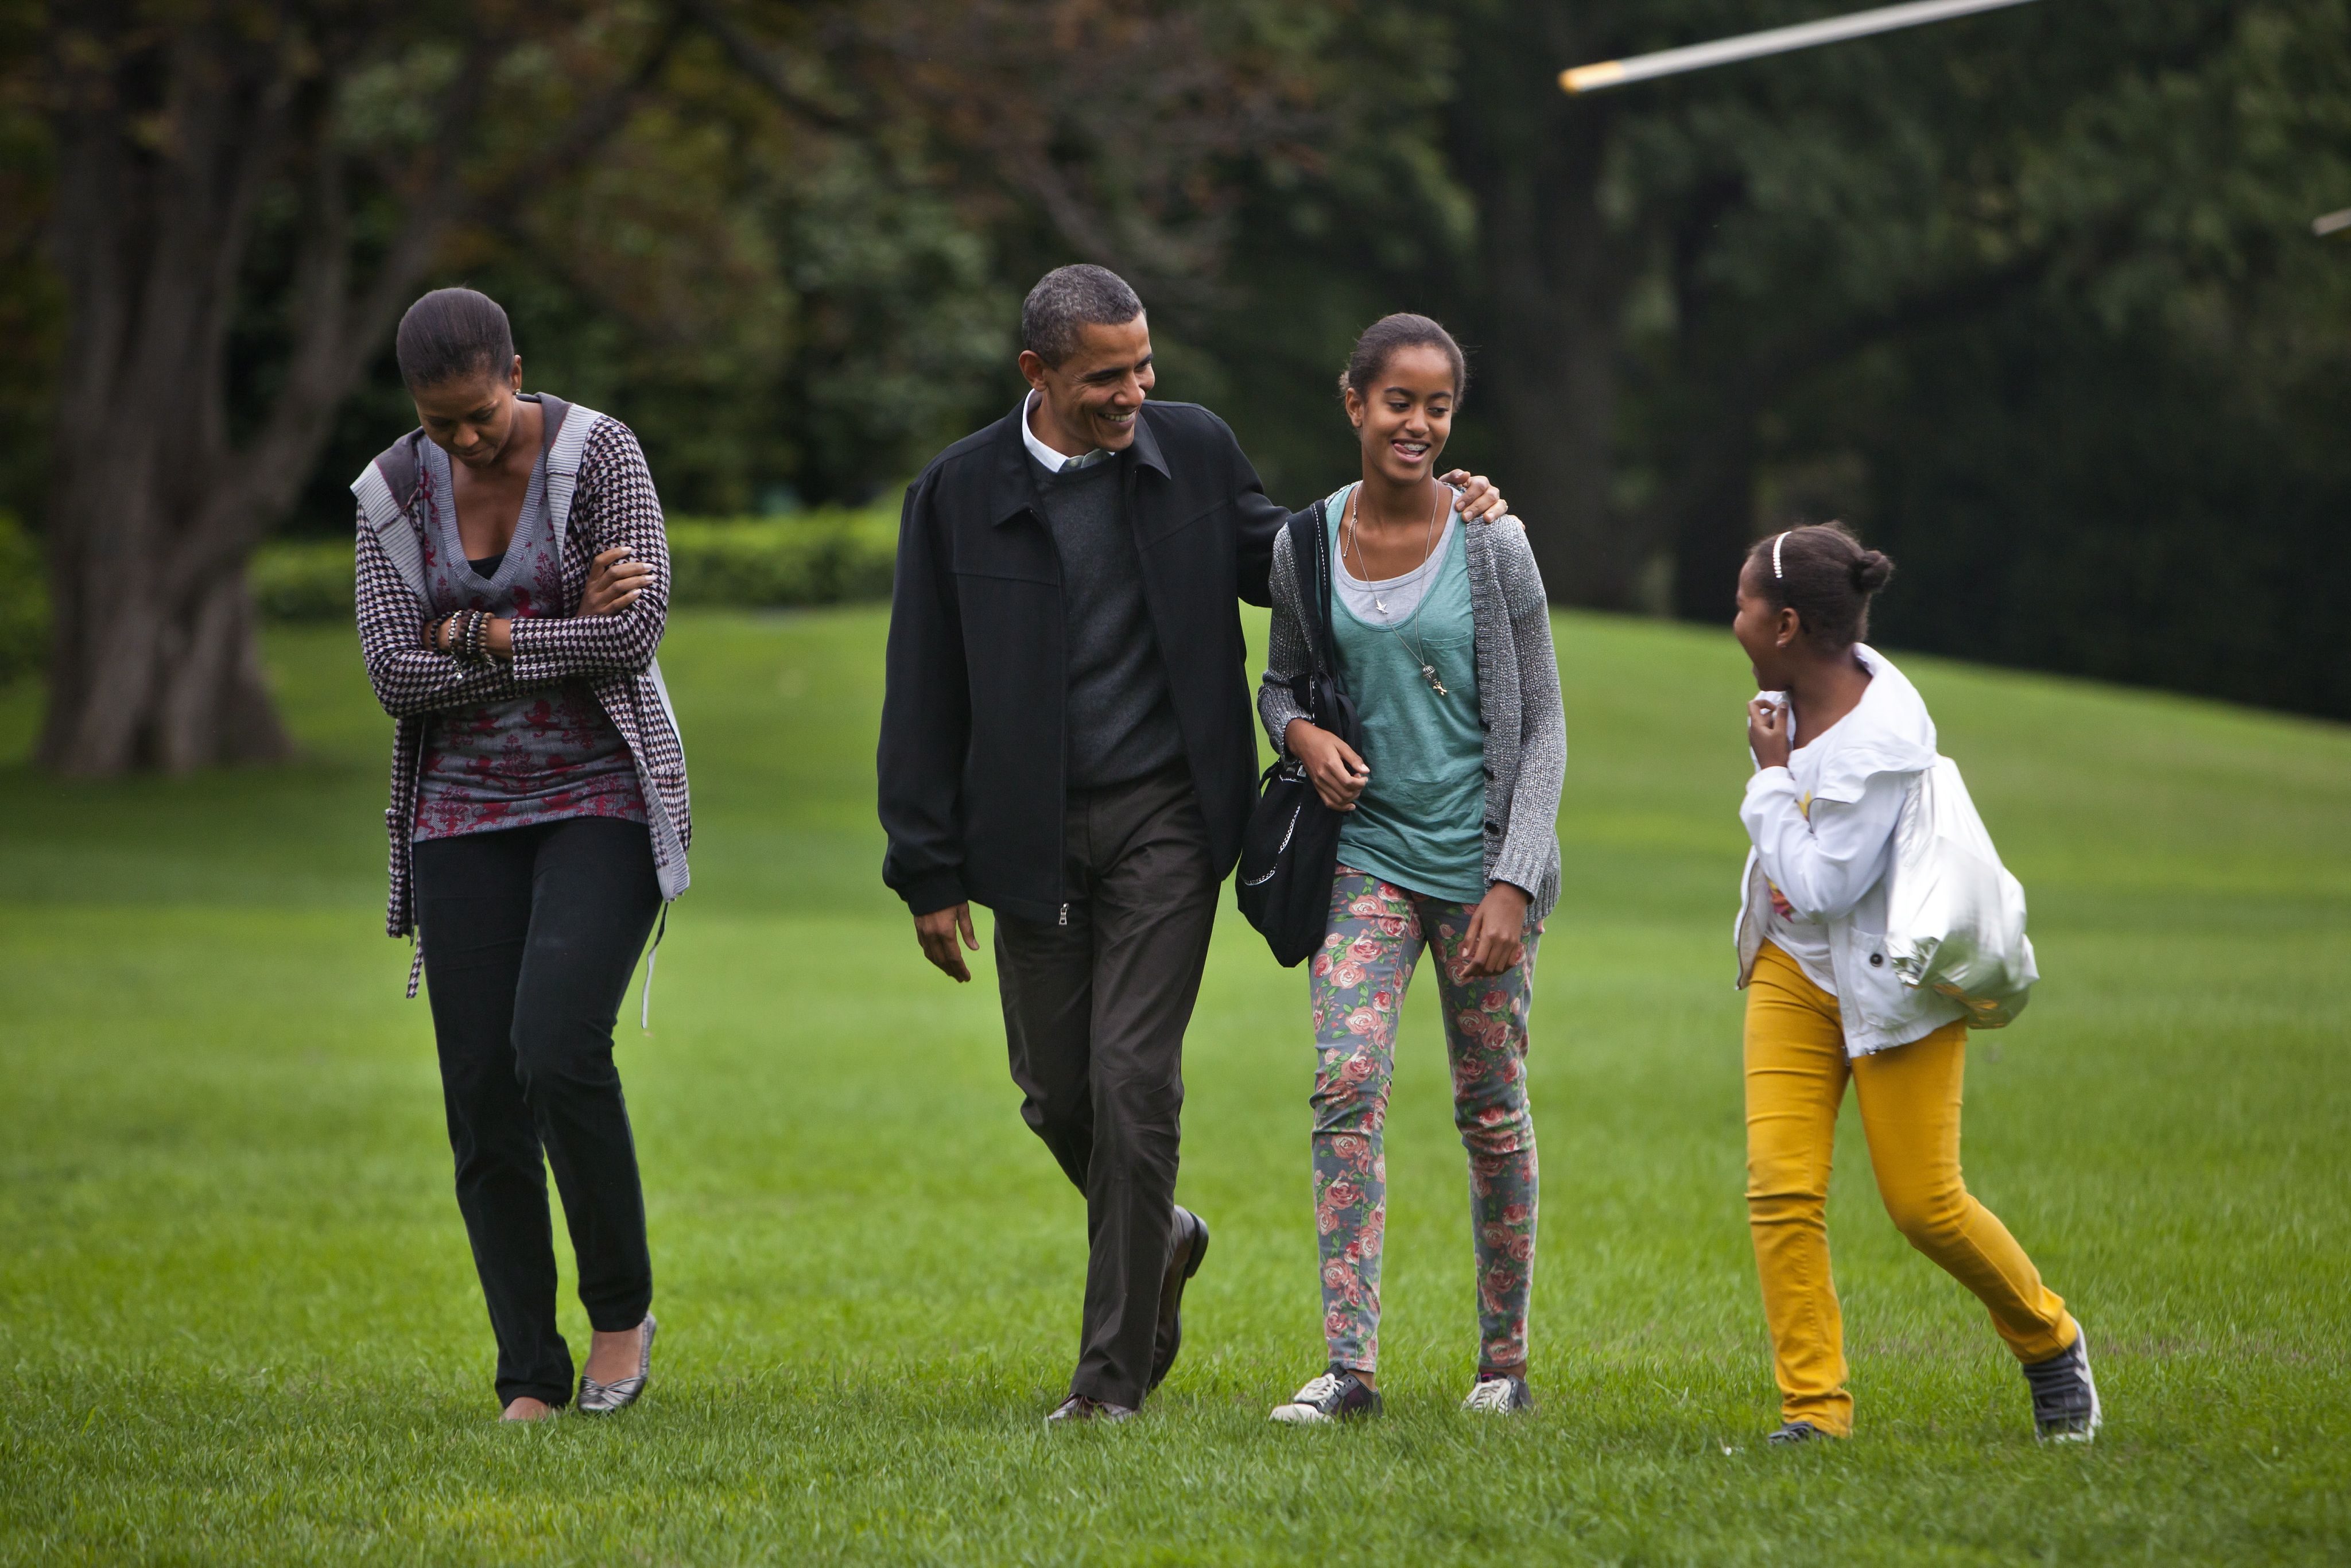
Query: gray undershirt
1122	723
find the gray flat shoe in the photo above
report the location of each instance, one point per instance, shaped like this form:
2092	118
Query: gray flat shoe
603	1398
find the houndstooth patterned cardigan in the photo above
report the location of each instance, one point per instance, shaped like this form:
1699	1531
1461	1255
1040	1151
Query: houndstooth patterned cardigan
1517	698
601	494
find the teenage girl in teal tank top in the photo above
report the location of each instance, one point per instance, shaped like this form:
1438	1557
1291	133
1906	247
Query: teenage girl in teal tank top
1412	876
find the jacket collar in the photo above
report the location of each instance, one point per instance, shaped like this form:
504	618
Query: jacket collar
1013	488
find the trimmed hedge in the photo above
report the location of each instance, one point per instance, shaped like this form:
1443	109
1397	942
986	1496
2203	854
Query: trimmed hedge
303	580
820	558
817	558
24	602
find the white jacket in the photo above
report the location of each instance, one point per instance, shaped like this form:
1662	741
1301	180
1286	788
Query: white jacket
1830	865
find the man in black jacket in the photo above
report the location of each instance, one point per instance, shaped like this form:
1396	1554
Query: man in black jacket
1068	738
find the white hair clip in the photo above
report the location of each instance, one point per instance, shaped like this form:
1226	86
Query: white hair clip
1775	555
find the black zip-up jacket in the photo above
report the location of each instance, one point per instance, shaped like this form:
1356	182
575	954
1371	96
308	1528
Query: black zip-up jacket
973	742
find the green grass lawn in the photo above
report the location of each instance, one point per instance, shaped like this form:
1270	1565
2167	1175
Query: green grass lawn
239	1321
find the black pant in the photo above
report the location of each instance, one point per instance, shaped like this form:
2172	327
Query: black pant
1095	1012
530	935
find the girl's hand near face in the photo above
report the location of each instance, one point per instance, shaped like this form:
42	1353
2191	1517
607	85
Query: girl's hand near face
615	580
1767	732
1337	773
1497	938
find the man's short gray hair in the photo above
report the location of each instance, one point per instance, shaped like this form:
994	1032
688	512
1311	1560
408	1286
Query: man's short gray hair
1067	300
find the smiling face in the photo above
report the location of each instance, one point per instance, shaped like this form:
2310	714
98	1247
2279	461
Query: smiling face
1770	634
1092	398
1404	415
471	418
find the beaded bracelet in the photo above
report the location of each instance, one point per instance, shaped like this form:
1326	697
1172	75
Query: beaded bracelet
474	620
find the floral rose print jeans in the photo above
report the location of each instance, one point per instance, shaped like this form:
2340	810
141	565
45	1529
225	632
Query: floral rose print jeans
1377	931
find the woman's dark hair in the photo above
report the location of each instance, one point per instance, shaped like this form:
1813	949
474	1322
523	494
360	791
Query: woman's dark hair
1821	573
1380	343
453	334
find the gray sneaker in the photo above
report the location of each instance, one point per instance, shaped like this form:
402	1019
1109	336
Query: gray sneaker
1791	1433
2064	1396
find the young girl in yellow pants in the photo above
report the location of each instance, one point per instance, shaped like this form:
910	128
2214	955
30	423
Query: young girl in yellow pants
1838	736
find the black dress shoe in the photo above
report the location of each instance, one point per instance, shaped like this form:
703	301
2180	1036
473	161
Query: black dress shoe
1186	1246
1078	1407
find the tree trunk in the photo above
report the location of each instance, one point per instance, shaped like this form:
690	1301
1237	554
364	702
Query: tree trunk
168	140
1709	515
1553	285
154	663
137	682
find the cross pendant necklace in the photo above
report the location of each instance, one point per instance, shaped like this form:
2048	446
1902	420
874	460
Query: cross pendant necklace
1419	654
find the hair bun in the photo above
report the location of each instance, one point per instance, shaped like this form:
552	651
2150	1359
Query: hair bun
1871	571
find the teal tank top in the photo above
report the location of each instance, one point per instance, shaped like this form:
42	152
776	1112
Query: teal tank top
1420	822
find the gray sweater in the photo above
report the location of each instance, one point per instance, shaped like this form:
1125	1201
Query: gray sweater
1517	699
1122	722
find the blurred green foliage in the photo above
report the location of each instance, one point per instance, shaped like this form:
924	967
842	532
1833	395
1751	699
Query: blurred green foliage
2030	299
826	557
303	580
817	558
24	602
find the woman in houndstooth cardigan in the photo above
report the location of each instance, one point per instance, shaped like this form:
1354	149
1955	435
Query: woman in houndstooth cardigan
513	583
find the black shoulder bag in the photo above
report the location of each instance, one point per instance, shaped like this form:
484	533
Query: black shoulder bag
1290	851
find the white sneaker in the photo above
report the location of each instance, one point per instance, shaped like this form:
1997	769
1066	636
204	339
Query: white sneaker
1337	1396
1500	1395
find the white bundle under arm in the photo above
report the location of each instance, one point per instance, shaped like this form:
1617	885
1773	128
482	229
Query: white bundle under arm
1823	866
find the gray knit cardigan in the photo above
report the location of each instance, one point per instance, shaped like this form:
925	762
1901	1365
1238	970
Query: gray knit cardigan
1517	699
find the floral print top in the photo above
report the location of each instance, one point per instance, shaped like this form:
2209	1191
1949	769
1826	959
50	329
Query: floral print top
547	754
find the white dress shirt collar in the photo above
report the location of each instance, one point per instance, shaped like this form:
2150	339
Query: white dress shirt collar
1054	461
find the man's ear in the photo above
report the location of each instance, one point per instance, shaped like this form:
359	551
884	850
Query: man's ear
1033	367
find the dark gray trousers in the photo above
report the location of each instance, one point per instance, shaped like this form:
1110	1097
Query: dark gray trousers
1095	1012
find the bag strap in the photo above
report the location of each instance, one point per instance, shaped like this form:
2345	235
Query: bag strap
1322	574
1309	552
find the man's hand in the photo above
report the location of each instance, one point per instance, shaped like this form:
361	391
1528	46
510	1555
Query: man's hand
1497	938
937	931
1480	502
1337	774
614	583
1767	732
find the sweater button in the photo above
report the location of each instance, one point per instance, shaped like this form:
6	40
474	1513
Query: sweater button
1876	960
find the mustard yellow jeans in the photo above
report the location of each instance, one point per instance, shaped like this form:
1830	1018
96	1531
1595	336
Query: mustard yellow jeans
1796	1073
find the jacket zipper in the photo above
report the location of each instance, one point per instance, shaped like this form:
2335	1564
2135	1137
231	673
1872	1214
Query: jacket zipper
1065	915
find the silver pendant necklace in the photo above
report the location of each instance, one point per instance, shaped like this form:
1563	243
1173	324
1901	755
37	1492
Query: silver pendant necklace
1418	651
